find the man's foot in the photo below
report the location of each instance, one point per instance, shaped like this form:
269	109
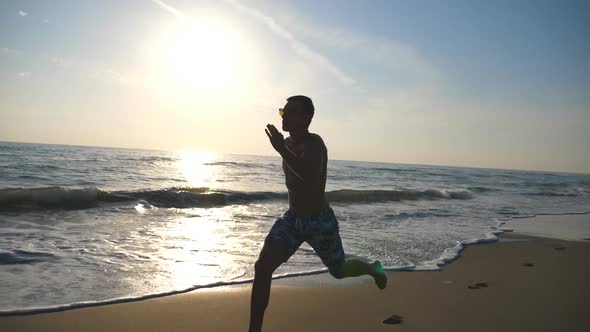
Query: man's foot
379	274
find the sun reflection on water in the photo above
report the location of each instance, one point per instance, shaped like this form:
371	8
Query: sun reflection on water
196	256
192	165
203	245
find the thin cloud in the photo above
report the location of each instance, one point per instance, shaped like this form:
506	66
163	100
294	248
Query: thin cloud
25	74
170	9
300	48
95	71
403	79
401	60
22	13
8	51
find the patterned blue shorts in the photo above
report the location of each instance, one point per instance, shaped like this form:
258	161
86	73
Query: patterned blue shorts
321	232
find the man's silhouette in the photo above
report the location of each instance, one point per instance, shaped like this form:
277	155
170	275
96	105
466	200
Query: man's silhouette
310	217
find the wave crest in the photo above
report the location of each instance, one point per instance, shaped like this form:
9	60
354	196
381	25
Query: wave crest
187	197
24	257
368	196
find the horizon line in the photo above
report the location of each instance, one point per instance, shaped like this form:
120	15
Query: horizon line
262	155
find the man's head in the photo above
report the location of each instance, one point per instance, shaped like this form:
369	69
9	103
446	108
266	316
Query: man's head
298	113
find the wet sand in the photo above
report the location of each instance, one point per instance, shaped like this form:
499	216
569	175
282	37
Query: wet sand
525	284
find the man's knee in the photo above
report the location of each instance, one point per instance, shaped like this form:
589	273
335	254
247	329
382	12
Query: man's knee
260	267
273	254
265	267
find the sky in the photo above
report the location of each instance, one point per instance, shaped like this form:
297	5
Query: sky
495	84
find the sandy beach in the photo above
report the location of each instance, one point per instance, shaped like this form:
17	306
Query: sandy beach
525	284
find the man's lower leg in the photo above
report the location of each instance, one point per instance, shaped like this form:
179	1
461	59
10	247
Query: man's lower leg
259	300
355	267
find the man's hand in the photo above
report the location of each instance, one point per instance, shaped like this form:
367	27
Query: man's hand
276	138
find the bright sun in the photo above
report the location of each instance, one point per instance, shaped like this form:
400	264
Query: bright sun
201	54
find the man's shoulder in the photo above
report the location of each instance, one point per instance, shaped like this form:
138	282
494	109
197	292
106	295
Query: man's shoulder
317	140
316	137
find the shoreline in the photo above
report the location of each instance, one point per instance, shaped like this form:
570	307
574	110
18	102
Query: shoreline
531	283
321	277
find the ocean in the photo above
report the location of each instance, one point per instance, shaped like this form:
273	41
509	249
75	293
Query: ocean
84	225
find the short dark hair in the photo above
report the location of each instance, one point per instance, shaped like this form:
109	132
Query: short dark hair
305	103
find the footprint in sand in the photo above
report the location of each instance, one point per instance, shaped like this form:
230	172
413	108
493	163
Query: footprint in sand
478	285
528	264
393	319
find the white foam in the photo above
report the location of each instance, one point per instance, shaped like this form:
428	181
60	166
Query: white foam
451	254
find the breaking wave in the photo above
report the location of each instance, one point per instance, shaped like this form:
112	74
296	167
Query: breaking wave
24	257
187	197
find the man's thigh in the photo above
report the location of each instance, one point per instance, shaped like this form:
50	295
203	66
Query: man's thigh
326	242
272	255
281	242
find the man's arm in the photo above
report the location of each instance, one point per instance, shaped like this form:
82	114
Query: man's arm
308	166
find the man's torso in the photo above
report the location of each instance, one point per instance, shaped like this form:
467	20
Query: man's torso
306	198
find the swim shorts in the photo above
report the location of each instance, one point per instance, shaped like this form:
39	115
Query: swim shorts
321	232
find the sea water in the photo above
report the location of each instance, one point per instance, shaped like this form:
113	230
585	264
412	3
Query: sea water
83	225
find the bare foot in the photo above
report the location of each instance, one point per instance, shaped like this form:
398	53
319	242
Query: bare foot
379	275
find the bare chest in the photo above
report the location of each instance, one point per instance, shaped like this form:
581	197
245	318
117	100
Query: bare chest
296	148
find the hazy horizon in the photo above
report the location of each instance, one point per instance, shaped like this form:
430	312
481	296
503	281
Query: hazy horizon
499	85
277	156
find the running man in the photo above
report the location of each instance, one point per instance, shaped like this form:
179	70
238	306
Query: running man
309	217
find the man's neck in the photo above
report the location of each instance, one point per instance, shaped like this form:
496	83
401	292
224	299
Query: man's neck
298	135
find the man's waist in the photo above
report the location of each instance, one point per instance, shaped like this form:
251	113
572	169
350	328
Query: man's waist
308	210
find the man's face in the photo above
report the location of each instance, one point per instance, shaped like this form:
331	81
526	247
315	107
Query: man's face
294	118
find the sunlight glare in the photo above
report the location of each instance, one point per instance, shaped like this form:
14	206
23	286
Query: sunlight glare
190	260
192	166
201	54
